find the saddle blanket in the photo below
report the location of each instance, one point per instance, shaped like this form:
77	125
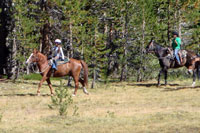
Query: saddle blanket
63	62
59	62
183	53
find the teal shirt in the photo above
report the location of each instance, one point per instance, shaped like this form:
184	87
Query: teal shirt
176	46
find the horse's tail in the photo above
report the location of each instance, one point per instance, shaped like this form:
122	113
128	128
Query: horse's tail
85	67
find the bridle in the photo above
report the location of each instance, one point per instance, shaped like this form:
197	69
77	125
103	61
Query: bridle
46	67
151	45
36	61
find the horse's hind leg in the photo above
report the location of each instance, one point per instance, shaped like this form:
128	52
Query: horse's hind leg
194	78
84	88
165	77
50	85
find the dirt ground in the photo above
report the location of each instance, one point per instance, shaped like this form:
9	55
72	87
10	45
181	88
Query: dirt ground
127	107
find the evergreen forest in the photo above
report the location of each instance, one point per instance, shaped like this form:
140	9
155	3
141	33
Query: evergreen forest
109	35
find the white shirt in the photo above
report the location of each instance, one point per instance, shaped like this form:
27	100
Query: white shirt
59	53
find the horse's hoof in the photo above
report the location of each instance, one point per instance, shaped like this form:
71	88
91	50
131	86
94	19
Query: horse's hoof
86	92
193	84
73	95
52	94
158	85
38	94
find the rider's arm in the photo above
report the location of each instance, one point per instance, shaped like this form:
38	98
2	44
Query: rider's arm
178	41
62	54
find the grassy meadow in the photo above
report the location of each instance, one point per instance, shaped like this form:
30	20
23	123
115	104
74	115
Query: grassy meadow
127	107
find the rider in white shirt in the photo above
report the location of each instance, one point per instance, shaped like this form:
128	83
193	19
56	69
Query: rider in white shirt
58	53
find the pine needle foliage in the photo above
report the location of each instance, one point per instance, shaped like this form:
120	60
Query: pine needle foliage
61	100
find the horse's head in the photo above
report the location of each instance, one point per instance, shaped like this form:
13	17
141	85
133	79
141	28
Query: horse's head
150	47
33	57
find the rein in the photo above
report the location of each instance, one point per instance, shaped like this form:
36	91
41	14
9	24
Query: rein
41	71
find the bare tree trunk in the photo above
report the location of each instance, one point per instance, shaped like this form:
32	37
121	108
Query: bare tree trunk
179	22
94	79
45	31
45	38
13	61
106	29
124	64
169	28
140	74
94	62
5	24
71	39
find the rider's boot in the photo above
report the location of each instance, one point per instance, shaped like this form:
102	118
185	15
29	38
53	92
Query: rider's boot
54	68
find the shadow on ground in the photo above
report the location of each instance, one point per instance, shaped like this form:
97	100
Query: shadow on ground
174	87
31	83
180	88
22	95
151	84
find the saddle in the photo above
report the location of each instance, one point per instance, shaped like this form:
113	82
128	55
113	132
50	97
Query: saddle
50	62
63	62
182	54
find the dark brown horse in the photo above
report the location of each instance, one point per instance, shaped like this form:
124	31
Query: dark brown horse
71	68
166	61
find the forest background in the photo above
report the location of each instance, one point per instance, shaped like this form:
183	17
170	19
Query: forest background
110	35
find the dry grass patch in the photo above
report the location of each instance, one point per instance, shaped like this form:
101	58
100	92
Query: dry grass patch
115	107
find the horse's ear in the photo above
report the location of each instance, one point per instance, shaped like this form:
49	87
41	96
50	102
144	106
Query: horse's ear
152	39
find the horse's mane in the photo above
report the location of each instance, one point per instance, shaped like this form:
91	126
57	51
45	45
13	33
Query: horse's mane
158	46
42	55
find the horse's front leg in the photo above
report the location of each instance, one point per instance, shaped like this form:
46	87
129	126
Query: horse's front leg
159	77
40	84
50	86
165	77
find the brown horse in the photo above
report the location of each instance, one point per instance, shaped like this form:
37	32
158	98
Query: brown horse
167	62
71	68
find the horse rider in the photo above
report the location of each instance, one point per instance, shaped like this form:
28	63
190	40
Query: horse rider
57	53
176	45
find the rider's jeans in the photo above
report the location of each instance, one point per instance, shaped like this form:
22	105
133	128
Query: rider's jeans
176	55
55	62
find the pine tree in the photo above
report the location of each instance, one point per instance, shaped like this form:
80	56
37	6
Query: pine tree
5	24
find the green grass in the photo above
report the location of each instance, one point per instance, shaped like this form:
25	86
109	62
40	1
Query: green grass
125	107
34	76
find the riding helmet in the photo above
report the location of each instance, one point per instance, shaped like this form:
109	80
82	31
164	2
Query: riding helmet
175	33
58	41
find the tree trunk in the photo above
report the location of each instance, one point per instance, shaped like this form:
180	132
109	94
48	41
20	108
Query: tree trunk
124	64
70	54
94	79
45	31
179	23
168	23
105	30
94	61
142	63
5	19
13	60
45	38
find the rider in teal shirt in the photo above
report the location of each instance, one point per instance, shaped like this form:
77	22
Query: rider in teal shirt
176	45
